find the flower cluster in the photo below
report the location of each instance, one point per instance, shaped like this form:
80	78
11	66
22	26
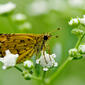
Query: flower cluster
82	49
77	53
74	21
47	61
77	20
77	24
28	65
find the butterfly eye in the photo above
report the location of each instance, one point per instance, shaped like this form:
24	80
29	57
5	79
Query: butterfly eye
45	37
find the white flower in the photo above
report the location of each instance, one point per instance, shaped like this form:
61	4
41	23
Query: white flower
38	7
82	20
81	48
37	61
74	21
28	64
55	64
45	69
73	52
6	8
26	25
19	17
46	60
9	59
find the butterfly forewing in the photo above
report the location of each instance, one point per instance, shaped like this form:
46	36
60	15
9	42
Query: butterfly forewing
23	44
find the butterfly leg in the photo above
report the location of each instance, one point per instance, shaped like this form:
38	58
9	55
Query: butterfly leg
48	49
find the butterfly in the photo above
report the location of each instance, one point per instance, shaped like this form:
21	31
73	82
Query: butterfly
23	44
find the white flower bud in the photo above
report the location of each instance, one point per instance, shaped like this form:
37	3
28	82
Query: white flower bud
37	61
45	69
82	20
73	52
28	64
27	76
55	64
81	49
77	31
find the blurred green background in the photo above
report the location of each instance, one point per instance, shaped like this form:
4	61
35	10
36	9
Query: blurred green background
56	13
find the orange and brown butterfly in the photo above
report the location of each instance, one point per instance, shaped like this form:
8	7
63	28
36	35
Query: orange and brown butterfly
23	44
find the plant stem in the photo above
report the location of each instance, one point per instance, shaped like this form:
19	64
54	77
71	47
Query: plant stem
34	77
48	81
79	41
43	77
19	69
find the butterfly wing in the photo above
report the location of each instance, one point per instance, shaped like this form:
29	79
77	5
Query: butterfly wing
22	44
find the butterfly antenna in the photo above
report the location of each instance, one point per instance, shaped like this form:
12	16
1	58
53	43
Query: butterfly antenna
57	29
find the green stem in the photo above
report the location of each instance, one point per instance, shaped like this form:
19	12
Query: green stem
34	77
79	41
48	81
19	69
43	77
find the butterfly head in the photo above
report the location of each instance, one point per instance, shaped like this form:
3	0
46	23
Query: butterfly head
46	37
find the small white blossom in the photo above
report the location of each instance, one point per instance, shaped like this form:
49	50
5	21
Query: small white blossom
37	61
73	52
26	25
45	69
38	7
55	64
82	20
74	21
28	64
53	55
19	17
6	8
9	59
46	60
81	48
77	31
